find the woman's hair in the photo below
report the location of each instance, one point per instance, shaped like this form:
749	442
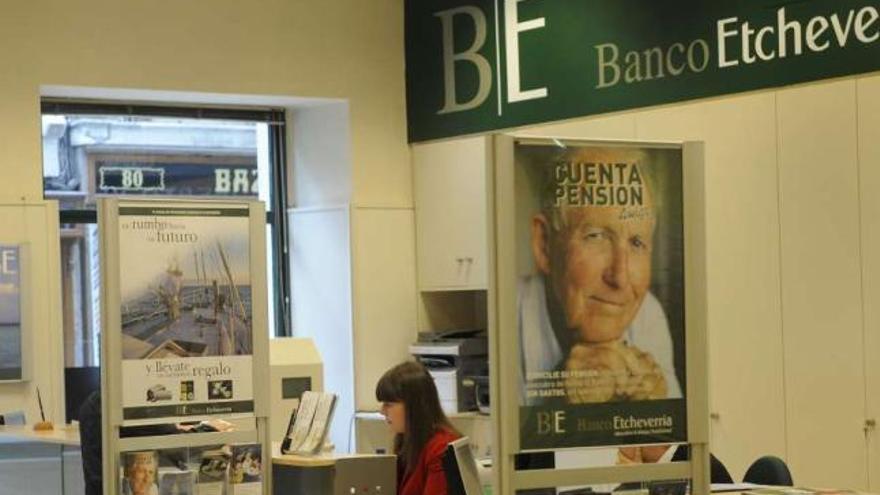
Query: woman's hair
411	384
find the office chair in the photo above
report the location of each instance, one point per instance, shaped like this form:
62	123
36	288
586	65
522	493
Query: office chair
718	473
769	470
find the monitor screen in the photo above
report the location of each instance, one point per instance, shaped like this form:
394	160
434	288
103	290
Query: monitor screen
461	469
294	387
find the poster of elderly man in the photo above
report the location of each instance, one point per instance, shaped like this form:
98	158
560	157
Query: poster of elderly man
600	296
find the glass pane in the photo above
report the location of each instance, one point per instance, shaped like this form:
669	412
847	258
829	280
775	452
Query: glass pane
81	294
86	157
81	314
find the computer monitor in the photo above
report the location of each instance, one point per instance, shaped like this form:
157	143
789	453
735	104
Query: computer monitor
461	469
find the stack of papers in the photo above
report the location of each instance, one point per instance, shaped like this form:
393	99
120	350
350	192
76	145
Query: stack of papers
309	424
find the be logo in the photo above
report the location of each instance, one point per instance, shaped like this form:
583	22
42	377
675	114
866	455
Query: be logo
551	422
473	19
8	261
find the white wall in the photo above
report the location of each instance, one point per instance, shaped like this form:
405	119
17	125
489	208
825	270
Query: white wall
356	300
793	236
320	157
379	291
320	271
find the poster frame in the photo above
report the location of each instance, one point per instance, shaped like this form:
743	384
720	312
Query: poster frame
505	351
111	345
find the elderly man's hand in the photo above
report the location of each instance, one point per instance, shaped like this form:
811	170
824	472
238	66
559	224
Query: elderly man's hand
594	373
641	455
612	371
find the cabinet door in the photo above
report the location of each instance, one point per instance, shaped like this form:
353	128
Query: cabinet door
745	336
821	285
450	196
868	91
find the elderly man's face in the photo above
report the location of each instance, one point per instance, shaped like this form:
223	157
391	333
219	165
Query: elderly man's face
141	477
599	268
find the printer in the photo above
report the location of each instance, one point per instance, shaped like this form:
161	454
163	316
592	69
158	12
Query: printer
458	360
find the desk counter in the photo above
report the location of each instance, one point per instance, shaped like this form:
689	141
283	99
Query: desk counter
333	474
61	435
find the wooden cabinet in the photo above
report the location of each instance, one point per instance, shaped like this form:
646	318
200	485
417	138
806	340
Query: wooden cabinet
746	369
822	300
868	93
450	198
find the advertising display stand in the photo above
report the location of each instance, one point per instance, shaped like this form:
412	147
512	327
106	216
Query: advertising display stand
598	312
184	339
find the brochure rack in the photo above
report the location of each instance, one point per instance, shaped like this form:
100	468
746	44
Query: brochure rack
535	409
184	320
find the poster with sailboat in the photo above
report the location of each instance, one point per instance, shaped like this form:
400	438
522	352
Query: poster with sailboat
185	293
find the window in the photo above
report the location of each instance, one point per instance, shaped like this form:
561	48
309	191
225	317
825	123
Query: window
93	150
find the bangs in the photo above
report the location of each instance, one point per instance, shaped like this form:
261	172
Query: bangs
387	390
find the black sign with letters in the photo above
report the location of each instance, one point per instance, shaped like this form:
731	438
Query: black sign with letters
175	179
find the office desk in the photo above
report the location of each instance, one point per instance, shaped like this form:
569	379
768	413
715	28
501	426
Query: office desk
61	435
822	492
40	463
787	490
781	490
333	474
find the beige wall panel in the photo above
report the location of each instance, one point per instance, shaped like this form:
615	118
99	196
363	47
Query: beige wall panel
745	338
621	126
868	90
821	292
743	281
384	277
450	188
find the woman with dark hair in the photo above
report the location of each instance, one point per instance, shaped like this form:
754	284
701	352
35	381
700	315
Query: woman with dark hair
421	430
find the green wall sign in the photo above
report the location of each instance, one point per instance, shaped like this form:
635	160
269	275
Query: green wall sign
479	65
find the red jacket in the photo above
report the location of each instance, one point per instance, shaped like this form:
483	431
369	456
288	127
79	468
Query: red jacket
427	477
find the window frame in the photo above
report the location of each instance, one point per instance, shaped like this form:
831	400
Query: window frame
276	216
